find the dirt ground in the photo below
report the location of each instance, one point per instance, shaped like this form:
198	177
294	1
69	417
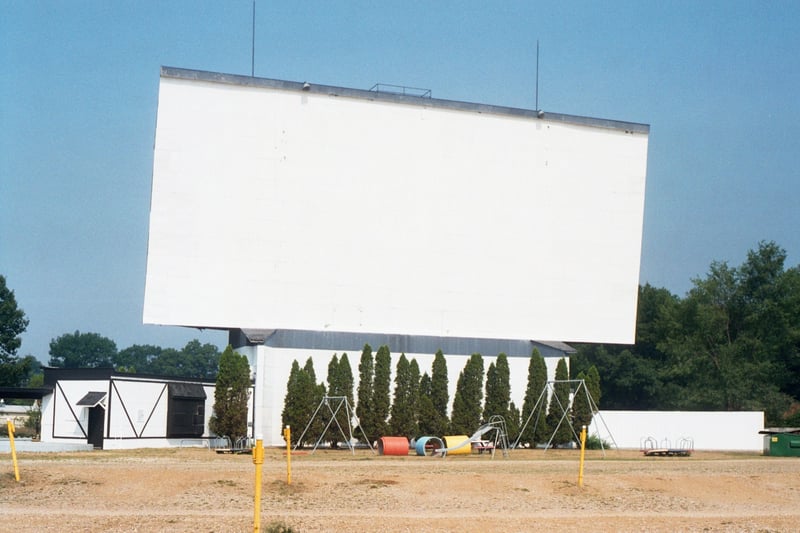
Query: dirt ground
531	490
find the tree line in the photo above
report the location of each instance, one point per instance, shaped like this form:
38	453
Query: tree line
732	343
418	404
91	350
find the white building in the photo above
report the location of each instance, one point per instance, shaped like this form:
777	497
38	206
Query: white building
17	414
114	410
271	354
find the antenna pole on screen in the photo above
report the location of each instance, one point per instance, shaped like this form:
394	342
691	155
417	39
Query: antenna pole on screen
253	45
537	73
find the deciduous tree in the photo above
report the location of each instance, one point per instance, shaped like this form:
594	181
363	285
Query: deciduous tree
13	324
82	350
137	358
194	360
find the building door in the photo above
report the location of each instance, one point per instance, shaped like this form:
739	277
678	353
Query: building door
97	418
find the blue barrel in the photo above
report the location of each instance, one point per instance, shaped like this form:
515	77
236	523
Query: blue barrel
422	441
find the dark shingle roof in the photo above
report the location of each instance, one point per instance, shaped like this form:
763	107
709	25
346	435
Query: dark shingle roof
92	398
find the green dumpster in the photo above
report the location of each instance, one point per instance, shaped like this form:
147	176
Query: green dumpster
783	444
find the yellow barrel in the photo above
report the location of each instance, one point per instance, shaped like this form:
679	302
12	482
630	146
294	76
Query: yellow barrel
453	441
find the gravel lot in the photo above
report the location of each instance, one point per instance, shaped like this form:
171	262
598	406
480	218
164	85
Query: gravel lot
199	490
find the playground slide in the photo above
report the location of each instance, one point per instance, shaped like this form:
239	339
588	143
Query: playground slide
467	442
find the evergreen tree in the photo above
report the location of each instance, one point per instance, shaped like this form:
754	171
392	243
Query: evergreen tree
439	393
399	409
380	391
469	397
302	399
340	378
428	417
414	377
309	368
346	380
491	384
231	394
593	385
581	409
364	410
558	413
337	389
344	388
512	423
333	377
316	394
293	414
536	430
498	388
403	417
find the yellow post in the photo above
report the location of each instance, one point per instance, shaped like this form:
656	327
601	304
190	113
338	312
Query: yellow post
10	425
258	460
583	453
287	434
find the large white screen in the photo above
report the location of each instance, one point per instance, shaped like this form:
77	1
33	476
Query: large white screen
280	208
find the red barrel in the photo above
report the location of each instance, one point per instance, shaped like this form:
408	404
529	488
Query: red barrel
393	446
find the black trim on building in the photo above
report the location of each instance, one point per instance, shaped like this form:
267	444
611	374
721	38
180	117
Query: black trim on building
24	393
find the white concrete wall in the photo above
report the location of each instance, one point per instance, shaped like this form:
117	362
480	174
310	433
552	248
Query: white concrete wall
709	430
276	364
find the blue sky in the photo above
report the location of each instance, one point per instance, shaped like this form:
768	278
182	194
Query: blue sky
717	82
